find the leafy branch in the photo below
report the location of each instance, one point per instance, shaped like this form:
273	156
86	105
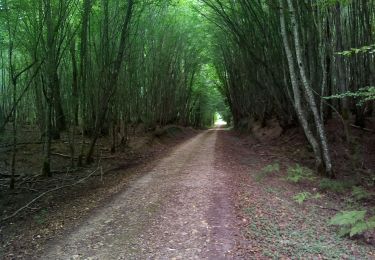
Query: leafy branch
363	95
353	51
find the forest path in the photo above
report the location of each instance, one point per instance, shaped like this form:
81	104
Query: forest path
180	209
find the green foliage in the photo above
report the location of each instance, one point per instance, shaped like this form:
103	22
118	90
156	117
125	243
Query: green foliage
363	95
301	197
328	3
347	218
370	49
271	168
293	239
352	222
317	196
334	185
299	173
360	193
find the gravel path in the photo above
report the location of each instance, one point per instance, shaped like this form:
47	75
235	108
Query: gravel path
180	209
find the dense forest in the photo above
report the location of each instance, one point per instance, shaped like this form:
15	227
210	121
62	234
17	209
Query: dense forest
98	67
92	66
82	70
281	58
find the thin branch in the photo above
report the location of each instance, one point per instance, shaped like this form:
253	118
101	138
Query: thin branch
7	118
49	191
364	129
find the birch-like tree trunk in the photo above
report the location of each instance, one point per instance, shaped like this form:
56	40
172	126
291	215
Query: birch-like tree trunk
309	95
296	89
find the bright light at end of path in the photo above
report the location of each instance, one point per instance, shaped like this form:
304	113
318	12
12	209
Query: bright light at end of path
219	121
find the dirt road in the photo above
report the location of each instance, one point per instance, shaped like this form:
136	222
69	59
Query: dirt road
180	209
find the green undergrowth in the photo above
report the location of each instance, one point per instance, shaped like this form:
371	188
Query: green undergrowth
353	222
288	230
359	193
299	173
267	170
301	238
305	195
338	186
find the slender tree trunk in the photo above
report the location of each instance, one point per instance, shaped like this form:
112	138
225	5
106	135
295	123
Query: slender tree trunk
51	70
2	105
339	61
309	94
112	79
13	82
83	71
59	112
14	129
296	91
74	82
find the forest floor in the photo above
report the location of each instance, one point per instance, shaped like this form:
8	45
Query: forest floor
206	196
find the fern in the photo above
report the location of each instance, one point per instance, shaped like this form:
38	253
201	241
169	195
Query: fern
317	196
272	168
334	185
347	218
362	227
301	197
360	193
352	222
267	170
299	173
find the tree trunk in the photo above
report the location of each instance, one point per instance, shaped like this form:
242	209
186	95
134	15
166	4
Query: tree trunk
296	91
51	80
339	61
59	112
83	71
74	82
309	94
111	80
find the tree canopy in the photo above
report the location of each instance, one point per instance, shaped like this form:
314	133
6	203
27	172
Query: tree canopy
99	66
